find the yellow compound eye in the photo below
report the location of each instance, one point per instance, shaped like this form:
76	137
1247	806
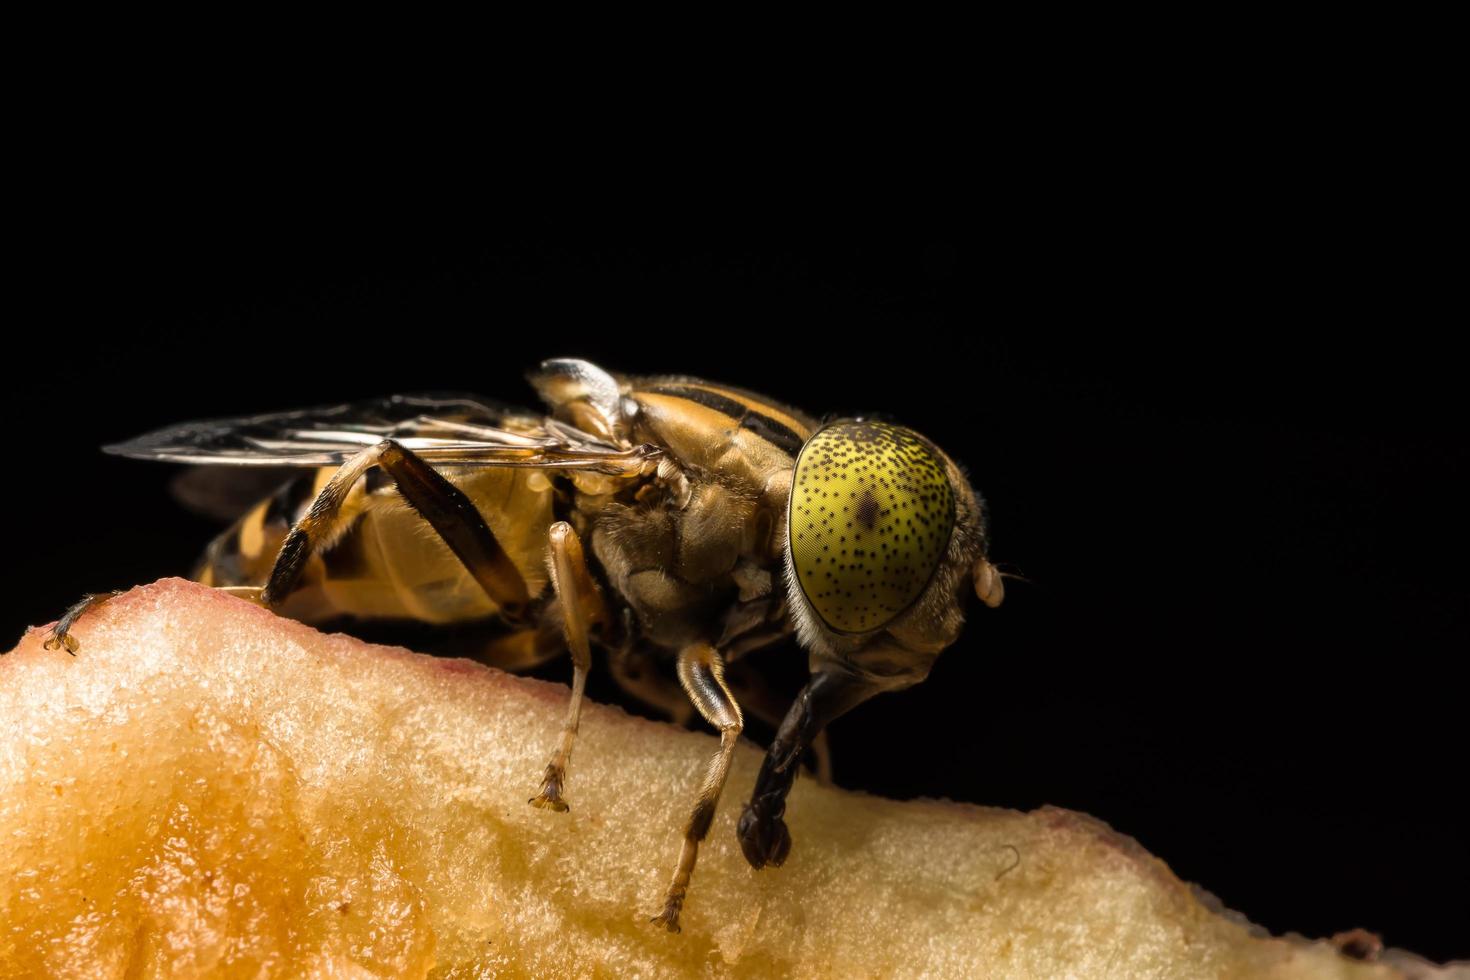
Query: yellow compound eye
870	516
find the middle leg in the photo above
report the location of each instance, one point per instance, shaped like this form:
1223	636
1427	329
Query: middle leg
582	608
702	672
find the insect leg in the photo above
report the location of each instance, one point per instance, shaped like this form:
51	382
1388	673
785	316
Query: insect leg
433	497
702	672
60	634
523	648
581	606
636	671
763	702
762	830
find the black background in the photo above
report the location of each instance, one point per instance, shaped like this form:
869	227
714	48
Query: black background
1215	423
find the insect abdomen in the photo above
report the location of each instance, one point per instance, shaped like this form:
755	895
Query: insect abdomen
388	563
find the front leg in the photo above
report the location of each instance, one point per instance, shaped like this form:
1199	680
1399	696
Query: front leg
760	700
762	830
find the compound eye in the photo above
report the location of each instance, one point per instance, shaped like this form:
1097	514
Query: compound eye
870	517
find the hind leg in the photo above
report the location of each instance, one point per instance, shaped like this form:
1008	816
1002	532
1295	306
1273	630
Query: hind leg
60	635
441	504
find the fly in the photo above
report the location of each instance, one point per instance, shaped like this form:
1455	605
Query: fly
661	518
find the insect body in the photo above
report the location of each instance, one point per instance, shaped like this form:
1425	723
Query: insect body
652	517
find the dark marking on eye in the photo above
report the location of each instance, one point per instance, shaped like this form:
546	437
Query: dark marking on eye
901	513
867	509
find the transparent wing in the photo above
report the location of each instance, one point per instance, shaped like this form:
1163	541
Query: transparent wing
449	429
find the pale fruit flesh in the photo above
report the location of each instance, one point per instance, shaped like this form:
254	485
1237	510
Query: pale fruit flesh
209	790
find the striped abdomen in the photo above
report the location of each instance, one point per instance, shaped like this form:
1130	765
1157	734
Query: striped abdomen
389	563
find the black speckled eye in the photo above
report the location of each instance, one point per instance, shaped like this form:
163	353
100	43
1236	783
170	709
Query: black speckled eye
870	517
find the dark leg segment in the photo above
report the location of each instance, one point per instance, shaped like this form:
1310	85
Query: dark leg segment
762	830
443	505
582	607
760	700
701	672
438	501
60	635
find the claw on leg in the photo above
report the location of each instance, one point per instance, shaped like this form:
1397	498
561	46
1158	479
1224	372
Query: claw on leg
764	837
669	917
550	796
59	636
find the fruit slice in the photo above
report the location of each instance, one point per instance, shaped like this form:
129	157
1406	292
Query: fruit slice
208	789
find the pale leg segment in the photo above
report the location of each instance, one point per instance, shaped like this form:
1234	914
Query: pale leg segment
582	607
702	673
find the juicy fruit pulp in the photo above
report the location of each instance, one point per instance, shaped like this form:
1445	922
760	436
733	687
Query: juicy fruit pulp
208	789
